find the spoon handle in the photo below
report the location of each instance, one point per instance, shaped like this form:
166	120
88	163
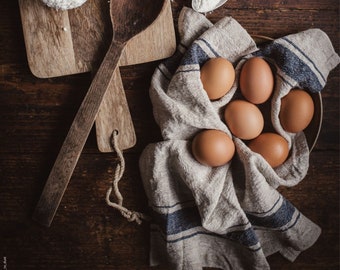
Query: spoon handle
75	140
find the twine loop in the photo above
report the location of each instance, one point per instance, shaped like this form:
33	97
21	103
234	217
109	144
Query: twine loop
118	174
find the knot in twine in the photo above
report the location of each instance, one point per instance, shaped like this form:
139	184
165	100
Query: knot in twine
118	174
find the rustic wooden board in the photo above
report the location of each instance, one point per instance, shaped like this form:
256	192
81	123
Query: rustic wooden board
128	23
61	43
48	39
160	37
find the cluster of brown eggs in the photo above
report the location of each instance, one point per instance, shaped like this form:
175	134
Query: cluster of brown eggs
243	116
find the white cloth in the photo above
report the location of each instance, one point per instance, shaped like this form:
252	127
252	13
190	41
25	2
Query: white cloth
206	5
231	216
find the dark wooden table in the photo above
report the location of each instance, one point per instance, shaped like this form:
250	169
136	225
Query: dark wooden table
35	115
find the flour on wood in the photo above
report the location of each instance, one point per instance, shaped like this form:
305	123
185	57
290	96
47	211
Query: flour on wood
64	4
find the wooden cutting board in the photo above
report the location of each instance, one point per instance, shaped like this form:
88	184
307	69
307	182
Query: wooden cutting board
62	43
160	37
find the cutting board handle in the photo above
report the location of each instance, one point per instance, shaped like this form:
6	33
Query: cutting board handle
75	140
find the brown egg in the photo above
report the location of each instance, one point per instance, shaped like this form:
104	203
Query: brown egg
217	76
256	80
244	119
213	147
273	148
297	110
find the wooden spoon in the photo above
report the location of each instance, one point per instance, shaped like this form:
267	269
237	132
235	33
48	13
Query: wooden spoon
129	17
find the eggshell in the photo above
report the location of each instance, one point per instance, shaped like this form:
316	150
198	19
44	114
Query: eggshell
273	147
213	147
256	80
244	119
297	110
217	76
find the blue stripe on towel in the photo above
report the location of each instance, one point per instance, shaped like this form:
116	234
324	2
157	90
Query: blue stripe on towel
305	55
188	70
276	220
294	223
173	62
209	46
194	56
163	74
178	221
292	66
246	237
268	211
189	218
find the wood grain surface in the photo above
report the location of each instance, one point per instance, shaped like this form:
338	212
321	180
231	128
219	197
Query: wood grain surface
156	42
35	115
75	41
126	23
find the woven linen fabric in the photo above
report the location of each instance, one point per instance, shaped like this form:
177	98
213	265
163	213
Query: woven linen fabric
232	216
206	5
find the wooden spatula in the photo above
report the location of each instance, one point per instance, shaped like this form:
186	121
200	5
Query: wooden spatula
156	42
127	22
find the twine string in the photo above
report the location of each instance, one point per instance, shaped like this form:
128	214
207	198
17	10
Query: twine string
117	176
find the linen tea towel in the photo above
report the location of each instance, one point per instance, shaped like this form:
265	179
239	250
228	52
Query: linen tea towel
232	216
